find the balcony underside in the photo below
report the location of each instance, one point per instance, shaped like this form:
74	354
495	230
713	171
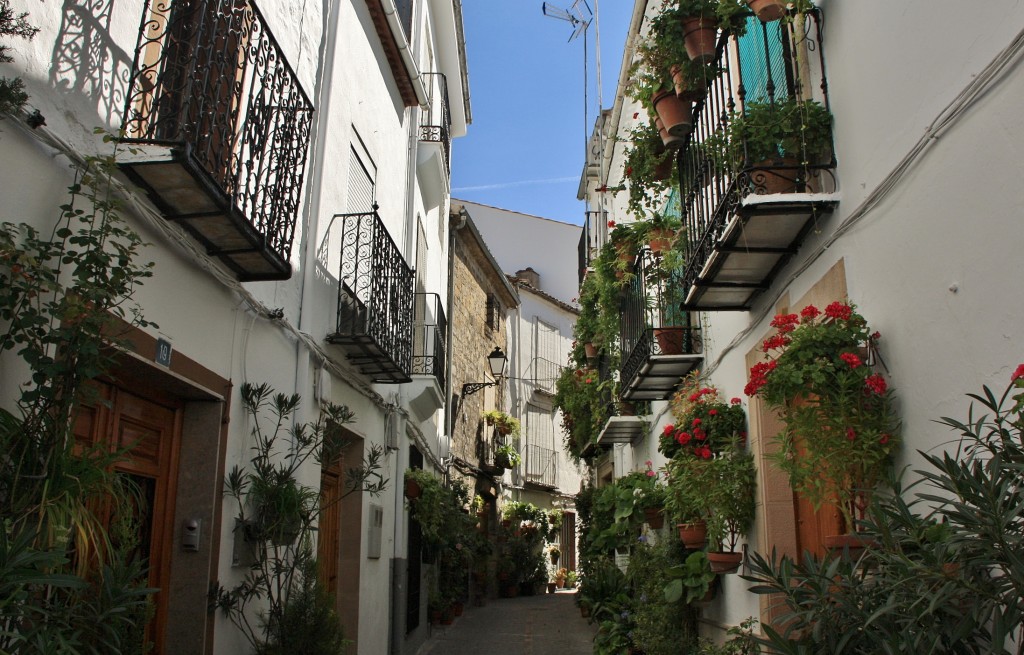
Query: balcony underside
659	376
372	361
622	429
186	194
758	240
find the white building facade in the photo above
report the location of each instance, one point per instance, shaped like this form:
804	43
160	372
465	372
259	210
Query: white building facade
915	221
286	154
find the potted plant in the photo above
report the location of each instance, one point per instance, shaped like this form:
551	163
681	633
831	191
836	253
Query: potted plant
560	576
506	456
730	480
504	423
554	553
686	503
648	167
776	142
839	427
693	577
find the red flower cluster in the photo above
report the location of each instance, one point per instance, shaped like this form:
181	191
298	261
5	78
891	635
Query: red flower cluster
696	396
758	376
1018	374
629	171
851	359
736	401
839	310
884	439
850	434
611	223
876	383
785	322
778	341
703	452
809	313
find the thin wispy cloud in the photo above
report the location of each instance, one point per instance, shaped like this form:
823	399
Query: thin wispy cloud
506	185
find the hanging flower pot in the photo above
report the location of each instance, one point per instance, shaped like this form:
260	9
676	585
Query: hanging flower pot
724	562
700	37
694	535
654	518
684	91
660	239
675	114
590	350
670	141
767	10
670	340
412	489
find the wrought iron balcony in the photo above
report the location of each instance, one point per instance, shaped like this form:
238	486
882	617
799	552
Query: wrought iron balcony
659	343
221	126
436	119
540	466
430	333
375	300
545	373
746	214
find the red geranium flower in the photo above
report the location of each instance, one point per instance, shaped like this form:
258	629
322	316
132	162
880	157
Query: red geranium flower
696	422
1018	374
876	383
850	434
884	439
810	312
839	310
713	412
777	341
611	223
683	438
669	429
851	359
736	401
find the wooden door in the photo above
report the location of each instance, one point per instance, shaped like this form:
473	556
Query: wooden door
328	536
150	433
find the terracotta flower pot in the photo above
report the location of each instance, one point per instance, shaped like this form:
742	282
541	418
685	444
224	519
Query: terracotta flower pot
674	114
654	517
412	489
670	340
700	35
682	86
670	141
551	587
767	10
779	176
590	349
693	535
660	239
724	562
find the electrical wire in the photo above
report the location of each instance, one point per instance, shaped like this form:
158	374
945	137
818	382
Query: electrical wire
981	84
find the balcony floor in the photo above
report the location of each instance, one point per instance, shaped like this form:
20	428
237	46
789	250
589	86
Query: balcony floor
659	376
757	242
371	360
186	194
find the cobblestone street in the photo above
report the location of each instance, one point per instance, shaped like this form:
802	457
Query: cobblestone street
547	624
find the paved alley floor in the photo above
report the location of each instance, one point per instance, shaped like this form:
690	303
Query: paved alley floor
547	624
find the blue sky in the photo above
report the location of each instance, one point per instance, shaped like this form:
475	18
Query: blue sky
525	148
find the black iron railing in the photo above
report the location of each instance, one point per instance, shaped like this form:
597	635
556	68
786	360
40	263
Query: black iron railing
651	320
545	373
436	119
210	79
375	299
590	240
540	465
776	64
430	332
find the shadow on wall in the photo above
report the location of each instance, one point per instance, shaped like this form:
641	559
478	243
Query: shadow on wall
86	60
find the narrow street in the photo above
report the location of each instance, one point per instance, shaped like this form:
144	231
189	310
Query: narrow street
547	624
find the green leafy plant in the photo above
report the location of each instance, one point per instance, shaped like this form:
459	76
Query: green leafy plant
278	515
840	429
505	423
648	167
693	577
507	456
12	89
64	299
799	130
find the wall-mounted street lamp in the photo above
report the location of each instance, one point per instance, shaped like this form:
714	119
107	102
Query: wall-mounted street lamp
496	361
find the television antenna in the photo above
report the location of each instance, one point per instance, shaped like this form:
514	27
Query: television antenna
574	15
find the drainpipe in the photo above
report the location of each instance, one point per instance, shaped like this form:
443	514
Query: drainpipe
452	229
395	23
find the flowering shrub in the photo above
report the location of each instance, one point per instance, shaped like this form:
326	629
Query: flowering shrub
840	429
704	422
